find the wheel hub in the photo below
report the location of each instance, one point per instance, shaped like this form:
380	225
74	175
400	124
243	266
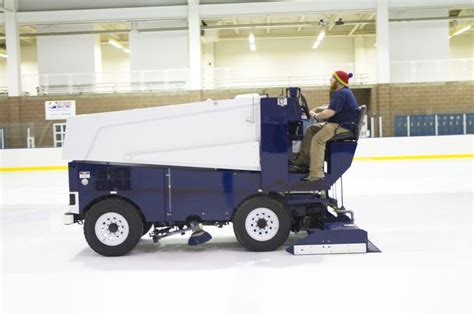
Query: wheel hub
262	224
111	229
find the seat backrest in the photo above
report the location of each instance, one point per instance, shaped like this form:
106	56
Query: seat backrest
360	120
349	135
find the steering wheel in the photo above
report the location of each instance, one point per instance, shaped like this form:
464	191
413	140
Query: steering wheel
304	106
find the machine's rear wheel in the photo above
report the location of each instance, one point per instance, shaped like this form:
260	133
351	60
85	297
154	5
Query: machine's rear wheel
261	224
113	227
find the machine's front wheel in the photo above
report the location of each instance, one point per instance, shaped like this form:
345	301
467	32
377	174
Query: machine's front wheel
113	227
261	224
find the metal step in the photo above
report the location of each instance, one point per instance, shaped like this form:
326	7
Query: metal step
343	238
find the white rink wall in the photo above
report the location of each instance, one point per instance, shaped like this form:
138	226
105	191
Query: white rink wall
31	157
365	177
369	147
418	174
409	146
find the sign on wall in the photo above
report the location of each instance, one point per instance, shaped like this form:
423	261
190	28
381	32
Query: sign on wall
59	110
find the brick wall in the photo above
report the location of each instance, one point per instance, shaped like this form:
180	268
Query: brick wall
388	100
422	99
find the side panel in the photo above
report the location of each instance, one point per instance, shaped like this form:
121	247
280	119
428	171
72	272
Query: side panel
340	155
148	192
211	134
274	143
144	186
340	159
209	194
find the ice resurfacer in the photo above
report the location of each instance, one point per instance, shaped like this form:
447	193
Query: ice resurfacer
175	169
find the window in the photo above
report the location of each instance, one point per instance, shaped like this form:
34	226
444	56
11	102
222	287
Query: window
59	133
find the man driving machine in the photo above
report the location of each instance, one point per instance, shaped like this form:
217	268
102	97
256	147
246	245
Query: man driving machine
340	117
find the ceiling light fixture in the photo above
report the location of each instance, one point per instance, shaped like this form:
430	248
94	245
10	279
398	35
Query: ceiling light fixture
251	38
319	39
253	47
2	55
118	45
462	30
321	35
115	44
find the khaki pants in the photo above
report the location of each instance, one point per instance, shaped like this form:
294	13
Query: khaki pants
313	146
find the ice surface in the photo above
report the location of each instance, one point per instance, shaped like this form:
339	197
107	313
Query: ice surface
425	266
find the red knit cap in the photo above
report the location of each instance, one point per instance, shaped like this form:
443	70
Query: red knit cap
342	77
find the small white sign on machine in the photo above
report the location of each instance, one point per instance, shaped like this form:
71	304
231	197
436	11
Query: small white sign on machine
59	110
330	249
84	174
282	101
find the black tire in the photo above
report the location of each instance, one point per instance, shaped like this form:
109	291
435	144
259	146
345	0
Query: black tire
146	227
248	209
110	208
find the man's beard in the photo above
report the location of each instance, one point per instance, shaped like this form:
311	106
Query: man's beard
333	86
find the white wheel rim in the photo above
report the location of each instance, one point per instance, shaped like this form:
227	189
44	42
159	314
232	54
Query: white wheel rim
254	224
111	229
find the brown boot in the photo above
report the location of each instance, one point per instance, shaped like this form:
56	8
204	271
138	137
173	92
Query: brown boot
299	169
313	179
300	162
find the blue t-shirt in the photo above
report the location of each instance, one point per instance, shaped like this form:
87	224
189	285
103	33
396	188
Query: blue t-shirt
347	110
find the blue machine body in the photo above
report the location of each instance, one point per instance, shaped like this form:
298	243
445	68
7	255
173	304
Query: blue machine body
173	193
170	195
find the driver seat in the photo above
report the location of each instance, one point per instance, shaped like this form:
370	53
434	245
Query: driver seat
352	136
